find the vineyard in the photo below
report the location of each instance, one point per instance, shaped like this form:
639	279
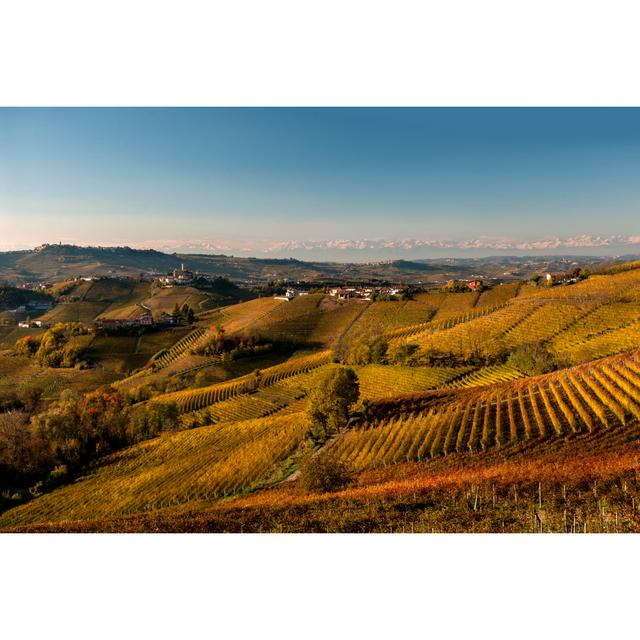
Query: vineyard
602	395
456	304
439	325
236	318
459	407
380	381
195	399
486	375
498	295
187	467
184	345
311	319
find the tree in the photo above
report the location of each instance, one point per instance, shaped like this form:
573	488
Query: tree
331	401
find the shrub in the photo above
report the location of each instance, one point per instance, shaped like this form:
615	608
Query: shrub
367	349
325	472
532	359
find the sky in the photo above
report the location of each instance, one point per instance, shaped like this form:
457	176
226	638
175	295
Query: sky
289	181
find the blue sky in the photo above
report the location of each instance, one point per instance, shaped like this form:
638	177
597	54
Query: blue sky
252	177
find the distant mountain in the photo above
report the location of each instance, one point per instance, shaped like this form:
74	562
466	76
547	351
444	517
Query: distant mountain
370	249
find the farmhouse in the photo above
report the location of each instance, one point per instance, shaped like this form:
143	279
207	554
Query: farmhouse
290	294
474	284
116	324
33	324
559	277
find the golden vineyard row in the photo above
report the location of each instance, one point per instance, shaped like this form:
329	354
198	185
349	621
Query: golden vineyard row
600	395
194	399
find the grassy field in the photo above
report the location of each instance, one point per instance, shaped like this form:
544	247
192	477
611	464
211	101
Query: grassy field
123	354
17	372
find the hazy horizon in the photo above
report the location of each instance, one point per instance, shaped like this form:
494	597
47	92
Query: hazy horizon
381	254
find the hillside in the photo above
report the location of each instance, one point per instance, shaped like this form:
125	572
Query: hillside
516	408
58	262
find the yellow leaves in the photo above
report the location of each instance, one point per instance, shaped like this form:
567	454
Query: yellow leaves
554	405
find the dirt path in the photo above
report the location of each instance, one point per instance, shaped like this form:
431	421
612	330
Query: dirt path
339	340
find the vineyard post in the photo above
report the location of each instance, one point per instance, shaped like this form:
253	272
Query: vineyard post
540	494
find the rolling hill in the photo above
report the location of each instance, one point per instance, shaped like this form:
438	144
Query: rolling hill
58	262
451	432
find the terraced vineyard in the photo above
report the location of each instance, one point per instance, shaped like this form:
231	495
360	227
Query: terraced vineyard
237	317
498	294
484	376
186	467
439	325
264	402
240	435
456	304
601	395
195	399
190	341
382	381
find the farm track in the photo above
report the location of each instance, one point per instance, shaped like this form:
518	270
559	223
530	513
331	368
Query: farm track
352	324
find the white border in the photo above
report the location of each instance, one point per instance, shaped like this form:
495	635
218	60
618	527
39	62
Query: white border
334	52
319	586
318	53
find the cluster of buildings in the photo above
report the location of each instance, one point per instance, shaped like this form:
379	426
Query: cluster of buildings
179	277
365	292
116	324
561	277
33	324
291	293
143	320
